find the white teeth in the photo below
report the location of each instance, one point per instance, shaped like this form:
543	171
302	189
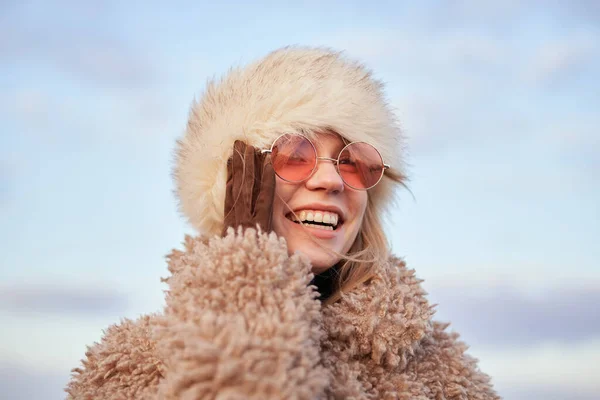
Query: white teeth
318	217
334	219
310	216
326	218
302	215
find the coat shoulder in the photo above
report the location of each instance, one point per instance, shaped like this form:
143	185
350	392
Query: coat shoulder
442	362
399	277
440	358
123	365
384	318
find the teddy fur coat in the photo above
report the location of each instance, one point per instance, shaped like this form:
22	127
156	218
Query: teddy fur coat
242	321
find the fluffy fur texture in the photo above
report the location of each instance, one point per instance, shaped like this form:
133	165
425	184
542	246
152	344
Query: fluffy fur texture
241	322
292	90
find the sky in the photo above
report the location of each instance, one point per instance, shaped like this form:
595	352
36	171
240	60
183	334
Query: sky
498	102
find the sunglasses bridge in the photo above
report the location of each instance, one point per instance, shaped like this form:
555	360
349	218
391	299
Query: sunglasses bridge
333	160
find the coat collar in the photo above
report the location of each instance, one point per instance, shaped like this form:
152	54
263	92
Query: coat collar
384	318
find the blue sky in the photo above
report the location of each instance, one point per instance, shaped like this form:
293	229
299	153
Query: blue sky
498	101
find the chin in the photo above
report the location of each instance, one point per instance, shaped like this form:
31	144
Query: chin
302	239
320	259
322	262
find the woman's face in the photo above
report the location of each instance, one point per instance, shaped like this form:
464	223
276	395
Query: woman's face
323	197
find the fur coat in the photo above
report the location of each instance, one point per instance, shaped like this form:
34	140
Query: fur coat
242	321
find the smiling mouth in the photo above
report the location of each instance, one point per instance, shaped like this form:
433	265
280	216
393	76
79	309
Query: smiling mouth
328	221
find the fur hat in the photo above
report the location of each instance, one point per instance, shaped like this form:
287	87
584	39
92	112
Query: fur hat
293	89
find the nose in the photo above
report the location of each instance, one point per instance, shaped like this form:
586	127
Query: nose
325	177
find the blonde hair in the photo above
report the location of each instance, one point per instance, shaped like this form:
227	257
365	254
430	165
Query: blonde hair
369	249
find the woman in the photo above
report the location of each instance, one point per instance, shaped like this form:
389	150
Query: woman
284	172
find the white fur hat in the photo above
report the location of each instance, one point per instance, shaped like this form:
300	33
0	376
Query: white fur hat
294	89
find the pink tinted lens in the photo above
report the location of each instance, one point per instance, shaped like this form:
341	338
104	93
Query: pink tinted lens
360	166
294	157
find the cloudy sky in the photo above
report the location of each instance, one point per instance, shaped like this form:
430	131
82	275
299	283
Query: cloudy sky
499	102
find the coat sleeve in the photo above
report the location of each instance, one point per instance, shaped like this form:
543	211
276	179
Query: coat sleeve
441	365
240	322
123	365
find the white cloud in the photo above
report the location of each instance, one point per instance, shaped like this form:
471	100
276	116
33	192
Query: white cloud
5	174
74	49
62	120
47	299
562	59
50	341
507	316
567	368
26	381
415	51
546	392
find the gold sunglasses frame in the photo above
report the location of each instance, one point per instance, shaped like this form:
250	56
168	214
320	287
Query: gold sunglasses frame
335	161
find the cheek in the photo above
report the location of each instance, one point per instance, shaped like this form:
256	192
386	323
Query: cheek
358	205
283	194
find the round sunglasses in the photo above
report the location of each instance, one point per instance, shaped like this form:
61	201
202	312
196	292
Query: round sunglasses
294	158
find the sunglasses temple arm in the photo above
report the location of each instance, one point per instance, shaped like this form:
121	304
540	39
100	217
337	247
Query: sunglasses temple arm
267	151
